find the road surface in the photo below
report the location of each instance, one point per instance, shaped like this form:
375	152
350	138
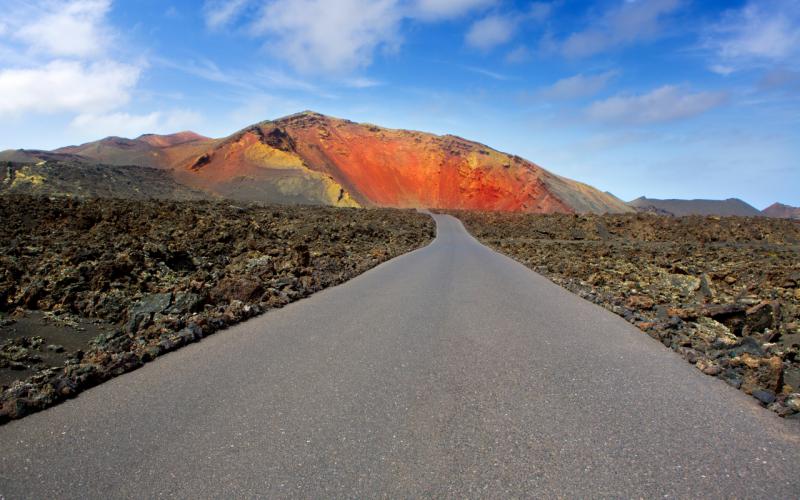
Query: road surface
451	371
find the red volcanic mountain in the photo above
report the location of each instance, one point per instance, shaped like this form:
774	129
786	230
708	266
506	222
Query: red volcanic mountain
782	211
312	158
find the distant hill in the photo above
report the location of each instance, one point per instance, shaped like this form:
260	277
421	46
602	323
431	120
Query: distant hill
731	206
81	180
782	211
147	150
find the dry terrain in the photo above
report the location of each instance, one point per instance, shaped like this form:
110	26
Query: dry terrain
90	289
724	292
86	180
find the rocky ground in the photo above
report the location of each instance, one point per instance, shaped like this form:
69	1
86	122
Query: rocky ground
724	292
85	180
92	289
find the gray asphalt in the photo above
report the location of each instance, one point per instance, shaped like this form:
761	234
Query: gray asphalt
451	371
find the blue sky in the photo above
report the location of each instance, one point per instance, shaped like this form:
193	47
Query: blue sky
663	98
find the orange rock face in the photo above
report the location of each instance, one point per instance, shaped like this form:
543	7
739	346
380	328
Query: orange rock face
399	168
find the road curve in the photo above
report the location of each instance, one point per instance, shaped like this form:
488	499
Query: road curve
450	371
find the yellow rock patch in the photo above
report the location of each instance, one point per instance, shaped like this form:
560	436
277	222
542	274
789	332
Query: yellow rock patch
269	157
24	176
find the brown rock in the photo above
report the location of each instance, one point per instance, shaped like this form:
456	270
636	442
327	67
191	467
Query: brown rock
708	367
640	302
760	373
760	317
238	288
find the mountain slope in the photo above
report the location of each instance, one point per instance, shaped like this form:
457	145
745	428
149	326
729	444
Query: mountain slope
312	158
254	164
375	166
731	206
782	211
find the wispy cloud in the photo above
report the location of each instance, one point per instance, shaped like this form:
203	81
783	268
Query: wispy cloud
490	32
206	69
663	104
781	79
485	72
763	32
518	55
340	37
577	86
539	11
630	21
259	79
360	82
497	29
445	9
219	13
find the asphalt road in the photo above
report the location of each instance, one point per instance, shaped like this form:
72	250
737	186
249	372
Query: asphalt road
450	371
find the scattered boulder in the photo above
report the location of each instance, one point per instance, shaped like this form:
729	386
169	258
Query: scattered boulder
152	303
238	288
760	373
184	302
766	397
760	317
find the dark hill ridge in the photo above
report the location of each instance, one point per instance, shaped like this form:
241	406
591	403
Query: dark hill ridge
316	159
731	206
82	180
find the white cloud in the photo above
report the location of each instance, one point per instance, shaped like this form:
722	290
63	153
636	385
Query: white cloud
577	86
767	31
131	125
340	36
491	31
67	86
663	104
443	9
722	69
327	36
65	63
629	22
60	28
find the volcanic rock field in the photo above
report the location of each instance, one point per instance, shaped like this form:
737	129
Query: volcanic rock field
90	289
723	292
